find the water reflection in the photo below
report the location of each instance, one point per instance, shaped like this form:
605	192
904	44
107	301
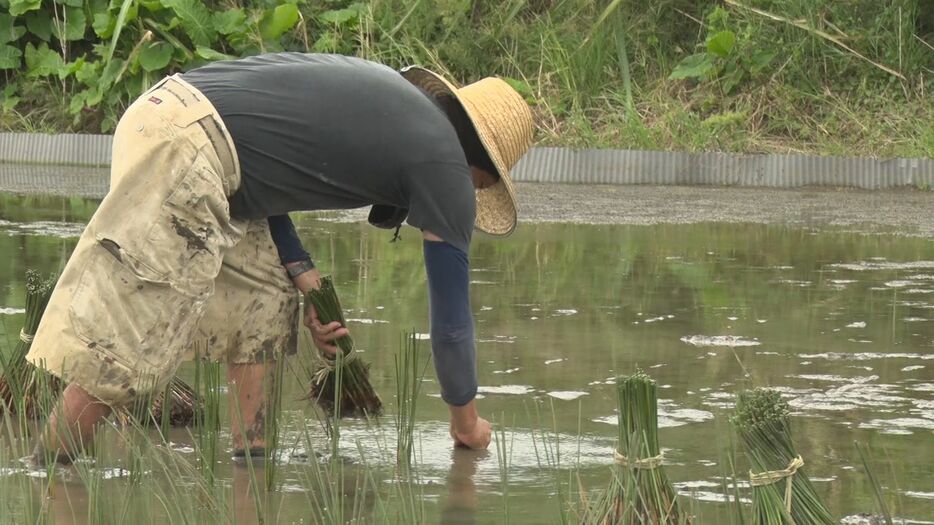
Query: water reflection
841	323
460	506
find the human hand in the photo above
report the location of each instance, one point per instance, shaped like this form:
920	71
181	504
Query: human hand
468	429
323	335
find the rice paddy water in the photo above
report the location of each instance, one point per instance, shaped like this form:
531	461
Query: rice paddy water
841	323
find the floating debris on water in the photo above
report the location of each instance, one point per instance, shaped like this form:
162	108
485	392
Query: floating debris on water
553	361
508	371
422	337
900	425
12	311
864	266
669	415
567	395
366	321
864	356
857	324
912	368
518	390
62	230
719	340
566	311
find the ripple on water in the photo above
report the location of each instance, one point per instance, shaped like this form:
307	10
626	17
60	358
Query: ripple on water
864	266
718	340
864	356
899	425
669	415
12	311
518	390
567	395
62	230
525	450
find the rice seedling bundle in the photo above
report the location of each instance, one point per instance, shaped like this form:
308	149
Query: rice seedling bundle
30	391
20	390
640	492
652	497
340	385
781	491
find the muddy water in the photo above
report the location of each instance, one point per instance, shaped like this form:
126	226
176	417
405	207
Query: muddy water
842	322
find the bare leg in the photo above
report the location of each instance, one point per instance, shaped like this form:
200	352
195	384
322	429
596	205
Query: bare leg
249	384
72	425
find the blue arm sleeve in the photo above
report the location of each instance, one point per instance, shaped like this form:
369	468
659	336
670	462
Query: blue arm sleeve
287	242
452	331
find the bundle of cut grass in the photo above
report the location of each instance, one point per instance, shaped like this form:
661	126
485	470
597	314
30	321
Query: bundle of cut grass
340	385
182	400
20	390
28	390
640	491
781	491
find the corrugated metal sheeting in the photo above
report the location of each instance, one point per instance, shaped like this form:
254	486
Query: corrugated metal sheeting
723	169
67	181
590	166
67	148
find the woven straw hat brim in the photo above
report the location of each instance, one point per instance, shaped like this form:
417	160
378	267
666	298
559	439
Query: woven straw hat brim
503	122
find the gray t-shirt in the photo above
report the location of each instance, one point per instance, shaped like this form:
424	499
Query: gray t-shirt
320	132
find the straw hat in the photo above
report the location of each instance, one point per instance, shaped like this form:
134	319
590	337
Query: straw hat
503	122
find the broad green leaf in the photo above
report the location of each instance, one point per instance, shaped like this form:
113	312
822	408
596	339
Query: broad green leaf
523	88
89	74
39	24
104	24
8	31
210	54
229	21
9	103
152	5
9	98
731	78
19	7
10	57
693	66
74	24
195	20
76	104
72	3
276	22
109	74
42	61
326	43
760	61
341	16
721	44
155	56
71	68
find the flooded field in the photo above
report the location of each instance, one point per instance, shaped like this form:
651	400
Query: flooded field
841	320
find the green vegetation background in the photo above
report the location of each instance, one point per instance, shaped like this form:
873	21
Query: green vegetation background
816	76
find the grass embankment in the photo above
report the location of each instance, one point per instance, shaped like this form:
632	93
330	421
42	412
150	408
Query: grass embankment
808	76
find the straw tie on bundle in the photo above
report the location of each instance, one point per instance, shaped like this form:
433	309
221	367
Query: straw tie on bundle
329	365
774	476
644	463
26	338
762	420
640	492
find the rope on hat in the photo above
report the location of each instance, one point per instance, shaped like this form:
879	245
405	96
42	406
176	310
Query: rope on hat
774	476
651	463
26	338
328	365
